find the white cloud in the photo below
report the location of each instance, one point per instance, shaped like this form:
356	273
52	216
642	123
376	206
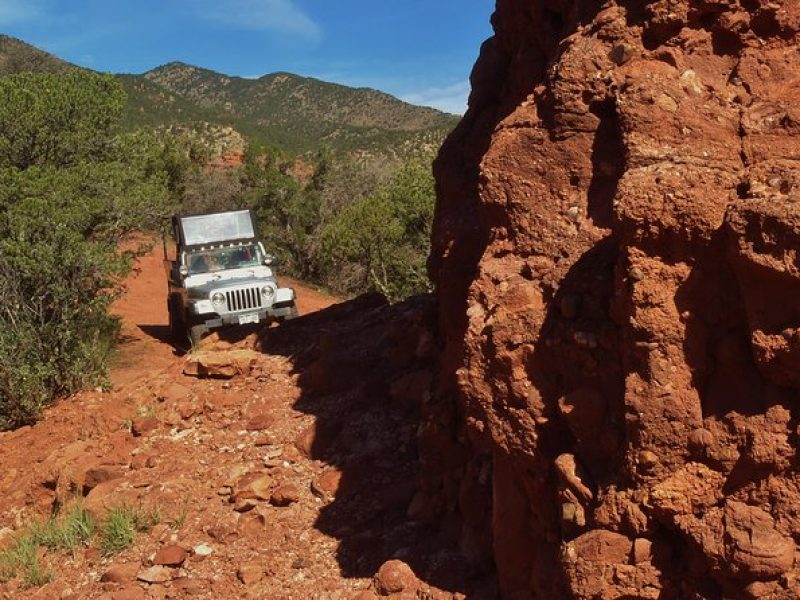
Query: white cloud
19	11
451	98
281	16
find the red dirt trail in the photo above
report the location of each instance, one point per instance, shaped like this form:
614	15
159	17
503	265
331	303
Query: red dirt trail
275	479
144	318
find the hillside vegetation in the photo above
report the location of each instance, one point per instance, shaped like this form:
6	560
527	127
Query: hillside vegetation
71	188
340	180
296	114
280	110
17	57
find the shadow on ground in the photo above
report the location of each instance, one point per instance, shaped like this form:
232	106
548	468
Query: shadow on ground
365	372
162	334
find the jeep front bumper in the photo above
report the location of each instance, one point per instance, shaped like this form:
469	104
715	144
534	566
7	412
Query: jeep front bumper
203	311
257	316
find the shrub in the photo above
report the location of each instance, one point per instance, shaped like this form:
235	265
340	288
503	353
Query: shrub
118	530
352	226
22	558
380	242
68	531
71	188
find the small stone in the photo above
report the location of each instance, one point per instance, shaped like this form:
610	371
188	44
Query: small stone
667	103
143	425
102	498
155	574
264	439
223	533
327	485
255	486
260	422
285	495
97	475
250	573
305	441
190	586
131	593
188	409
700	439
568	512
621	53
635	274
203	550
237	471
394	577
642	551
647	459
120	573
272	453
170	556
221	365
252	525
314	441
574	214
244	504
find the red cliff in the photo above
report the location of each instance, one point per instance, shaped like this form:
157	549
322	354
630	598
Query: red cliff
616	259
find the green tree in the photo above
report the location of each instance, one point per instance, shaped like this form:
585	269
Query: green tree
58	120
380	242
71	189
287	209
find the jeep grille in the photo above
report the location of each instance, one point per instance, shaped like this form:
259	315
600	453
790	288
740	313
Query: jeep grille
243	299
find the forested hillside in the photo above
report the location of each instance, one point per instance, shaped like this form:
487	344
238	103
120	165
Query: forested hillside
299	113
339	178
281	110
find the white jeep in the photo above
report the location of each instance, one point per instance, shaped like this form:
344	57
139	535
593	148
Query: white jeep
220	274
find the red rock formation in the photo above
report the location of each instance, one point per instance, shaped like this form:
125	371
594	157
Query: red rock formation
616	258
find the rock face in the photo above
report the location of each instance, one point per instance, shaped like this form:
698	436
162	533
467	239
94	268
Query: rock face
616	258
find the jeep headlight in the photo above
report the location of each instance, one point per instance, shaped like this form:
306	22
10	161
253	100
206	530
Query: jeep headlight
267	291
218	298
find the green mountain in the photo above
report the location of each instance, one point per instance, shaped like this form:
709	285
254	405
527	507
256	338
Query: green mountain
16	57
296	114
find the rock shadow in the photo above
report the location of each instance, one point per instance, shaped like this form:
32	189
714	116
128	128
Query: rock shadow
365	370
162	334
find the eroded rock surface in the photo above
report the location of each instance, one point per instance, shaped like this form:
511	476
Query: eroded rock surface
616	259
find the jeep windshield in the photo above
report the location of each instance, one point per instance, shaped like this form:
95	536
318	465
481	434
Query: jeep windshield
223	259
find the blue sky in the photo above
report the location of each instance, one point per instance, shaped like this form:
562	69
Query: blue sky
421	51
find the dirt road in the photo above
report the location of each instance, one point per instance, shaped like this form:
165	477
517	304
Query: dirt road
288	475
145	343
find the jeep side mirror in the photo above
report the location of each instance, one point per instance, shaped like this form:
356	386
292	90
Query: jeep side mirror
183	270
270	260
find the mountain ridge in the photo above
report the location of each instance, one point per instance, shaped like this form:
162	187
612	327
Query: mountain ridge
293	112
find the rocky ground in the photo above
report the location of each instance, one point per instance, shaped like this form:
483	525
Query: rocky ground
282	464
